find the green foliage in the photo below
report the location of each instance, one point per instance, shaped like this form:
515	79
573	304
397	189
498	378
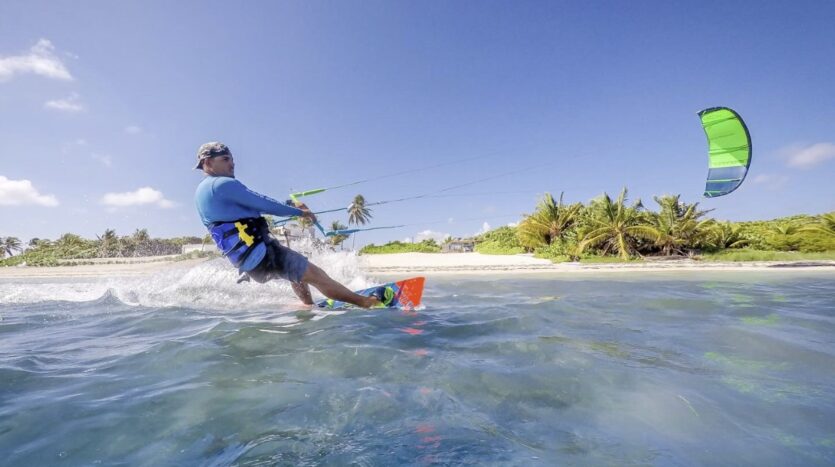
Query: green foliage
426	246
336	240
501	241
73	247
548	223
616	227
561	249
677	226
761	255
9	245
607	259
357	212
607	227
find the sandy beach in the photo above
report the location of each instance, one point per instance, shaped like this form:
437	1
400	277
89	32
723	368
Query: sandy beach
475	263
429	263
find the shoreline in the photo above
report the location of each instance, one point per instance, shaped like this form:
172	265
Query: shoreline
475	263
437	263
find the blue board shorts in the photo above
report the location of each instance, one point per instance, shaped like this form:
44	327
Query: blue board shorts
279	261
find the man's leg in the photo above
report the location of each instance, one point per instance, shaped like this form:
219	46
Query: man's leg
303	292
332	289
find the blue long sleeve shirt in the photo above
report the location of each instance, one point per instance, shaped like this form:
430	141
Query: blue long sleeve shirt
225	199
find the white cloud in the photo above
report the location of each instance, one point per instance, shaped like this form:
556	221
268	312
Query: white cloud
513	224
806	157
485	227
21	193
70	104
105	159
133	130
39	61
143	196
771	181
439	237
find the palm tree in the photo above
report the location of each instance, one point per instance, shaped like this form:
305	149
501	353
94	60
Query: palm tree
826	225
9	245
71	245
616	227
783	237
358	214
726	235
142	242
336	240
108	244
548	223
677	225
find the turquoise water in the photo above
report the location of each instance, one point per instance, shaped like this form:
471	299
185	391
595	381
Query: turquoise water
619	369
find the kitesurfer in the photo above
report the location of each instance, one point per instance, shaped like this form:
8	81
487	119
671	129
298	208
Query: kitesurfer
232	213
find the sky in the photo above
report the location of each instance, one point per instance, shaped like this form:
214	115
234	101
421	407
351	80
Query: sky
103	106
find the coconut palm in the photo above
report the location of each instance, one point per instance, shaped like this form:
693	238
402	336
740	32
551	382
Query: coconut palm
726	235
357	212
616	227
336	240
108	244
142	242
548	223
826	225
782	237
10	245
71	245
678	225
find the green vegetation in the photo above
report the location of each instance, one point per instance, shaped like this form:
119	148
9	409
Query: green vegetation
760	255
501	241
72	249
426	246
604	230
608	228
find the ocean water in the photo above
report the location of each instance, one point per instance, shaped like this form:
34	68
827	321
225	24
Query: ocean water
189	368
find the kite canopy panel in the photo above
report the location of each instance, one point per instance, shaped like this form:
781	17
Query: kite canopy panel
730	150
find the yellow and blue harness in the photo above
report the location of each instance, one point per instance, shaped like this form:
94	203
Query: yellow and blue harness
237	239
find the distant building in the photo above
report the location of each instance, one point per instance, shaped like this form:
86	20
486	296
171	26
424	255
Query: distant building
189	247
459	246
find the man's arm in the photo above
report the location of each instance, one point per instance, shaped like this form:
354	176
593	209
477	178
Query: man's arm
237	192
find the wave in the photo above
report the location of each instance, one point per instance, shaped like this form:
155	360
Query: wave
210	285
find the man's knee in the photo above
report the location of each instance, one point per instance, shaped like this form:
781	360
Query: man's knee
313	274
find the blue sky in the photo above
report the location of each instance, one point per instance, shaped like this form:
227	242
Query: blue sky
103	105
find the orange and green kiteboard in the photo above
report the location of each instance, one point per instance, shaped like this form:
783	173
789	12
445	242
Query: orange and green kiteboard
403	295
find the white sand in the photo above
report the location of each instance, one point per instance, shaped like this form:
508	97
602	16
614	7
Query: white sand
440	263
475	263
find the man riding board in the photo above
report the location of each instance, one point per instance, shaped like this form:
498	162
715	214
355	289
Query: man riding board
232	213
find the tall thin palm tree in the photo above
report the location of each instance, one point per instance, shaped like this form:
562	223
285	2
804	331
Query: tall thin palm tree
616	226
358	214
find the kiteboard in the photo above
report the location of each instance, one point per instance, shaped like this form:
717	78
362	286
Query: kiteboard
403	295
